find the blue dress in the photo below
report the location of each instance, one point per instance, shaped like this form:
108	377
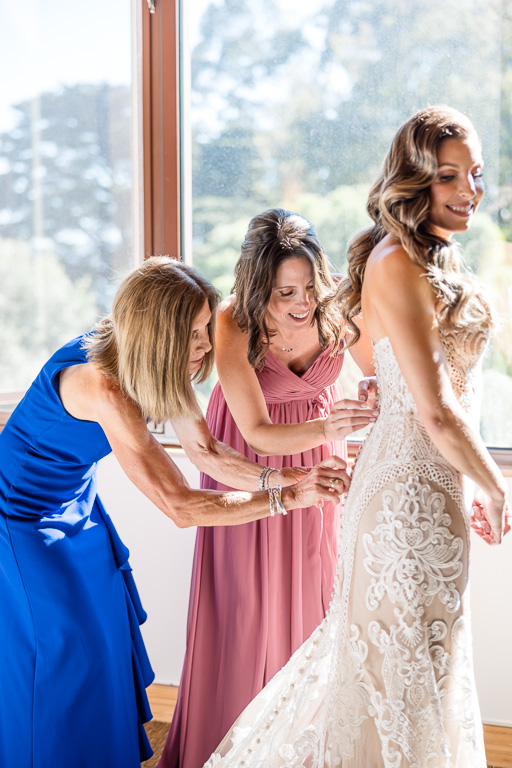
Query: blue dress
73	668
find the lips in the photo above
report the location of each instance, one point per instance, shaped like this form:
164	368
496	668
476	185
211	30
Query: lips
462	210
297	316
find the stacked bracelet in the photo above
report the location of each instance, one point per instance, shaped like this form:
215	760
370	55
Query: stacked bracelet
264	477
275	502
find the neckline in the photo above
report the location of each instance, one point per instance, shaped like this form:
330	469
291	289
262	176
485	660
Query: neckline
300	375
382	338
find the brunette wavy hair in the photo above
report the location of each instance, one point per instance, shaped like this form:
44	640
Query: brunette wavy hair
144	345
273	237
399	204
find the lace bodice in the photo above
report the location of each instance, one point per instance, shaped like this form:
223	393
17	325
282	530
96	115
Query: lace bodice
463	350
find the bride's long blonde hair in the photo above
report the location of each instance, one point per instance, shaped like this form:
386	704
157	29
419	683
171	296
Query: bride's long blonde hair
399	204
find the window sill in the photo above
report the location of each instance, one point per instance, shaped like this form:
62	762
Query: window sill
165	436
502	456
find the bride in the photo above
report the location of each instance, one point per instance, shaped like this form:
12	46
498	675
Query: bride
386	680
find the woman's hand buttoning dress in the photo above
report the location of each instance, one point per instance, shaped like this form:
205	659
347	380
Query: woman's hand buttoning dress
386	680
258	591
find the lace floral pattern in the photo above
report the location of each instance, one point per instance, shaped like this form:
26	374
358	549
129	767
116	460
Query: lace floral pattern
386	680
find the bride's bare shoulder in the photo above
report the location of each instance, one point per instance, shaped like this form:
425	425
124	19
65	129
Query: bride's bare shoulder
389	265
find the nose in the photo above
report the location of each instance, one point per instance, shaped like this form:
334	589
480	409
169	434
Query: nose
303	299
204	344
468	186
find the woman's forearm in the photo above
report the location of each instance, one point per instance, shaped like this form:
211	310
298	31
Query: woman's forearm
156	475
211	508
286	439
220	461
226	466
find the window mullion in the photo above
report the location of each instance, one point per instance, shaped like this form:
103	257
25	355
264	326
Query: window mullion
160	77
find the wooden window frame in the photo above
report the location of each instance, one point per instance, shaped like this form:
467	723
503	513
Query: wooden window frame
161	128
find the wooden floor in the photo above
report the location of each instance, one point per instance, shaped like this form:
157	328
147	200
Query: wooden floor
163	700
498	740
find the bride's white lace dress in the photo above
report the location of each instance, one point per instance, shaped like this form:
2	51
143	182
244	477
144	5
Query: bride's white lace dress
386	680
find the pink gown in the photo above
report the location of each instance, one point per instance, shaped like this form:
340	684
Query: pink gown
260	589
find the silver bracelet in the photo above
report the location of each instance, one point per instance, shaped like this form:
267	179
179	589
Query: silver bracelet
264	478
271	502
275	501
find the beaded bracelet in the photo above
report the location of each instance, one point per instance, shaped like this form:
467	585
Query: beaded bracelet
275	501
264	478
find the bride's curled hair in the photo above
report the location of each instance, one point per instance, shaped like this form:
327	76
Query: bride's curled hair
399	204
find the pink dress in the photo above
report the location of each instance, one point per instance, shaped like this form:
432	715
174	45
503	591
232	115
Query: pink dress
260	589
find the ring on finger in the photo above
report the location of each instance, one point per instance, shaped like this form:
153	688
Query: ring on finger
334	480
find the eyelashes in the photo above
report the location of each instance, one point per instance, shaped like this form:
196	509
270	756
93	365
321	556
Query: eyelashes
446	178
291	293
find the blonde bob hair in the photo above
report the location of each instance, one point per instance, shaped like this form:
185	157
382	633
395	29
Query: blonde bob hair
144	345
273	237
399	204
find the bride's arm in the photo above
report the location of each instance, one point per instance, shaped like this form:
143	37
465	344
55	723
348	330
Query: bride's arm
399	304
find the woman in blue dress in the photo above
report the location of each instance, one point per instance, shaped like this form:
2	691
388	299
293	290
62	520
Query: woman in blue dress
73	668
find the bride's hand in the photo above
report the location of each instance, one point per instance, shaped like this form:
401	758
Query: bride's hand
347	416
325	481
491	518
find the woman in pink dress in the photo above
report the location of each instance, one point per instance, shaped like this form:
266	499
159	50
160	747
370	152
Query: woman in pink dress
259	590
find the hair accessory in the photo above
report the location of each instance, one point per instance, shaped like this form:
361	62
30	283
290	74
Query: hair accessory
275	502
264	478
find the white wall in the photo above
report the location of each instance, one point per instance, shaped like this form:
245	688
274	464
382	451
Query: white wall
491	600
161	557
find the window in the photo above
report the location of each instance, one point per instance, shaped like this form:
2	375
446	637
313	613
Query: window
295	105
67	192
246	106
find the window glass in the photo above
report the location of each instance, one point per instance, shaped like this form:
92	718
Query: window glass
295	105
65	174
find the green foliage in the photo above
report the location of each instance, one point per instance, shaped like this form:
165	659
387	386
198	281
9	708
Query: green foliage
297	110
337	216
40	309
66	180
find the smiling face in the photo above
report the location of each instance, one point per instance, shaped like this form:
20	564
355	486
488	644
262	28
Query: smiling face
292	301
200	338
458	187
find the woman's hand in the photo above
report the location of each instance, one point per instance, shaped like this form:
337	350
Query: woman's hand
288	476
491	518
325	481
348	416
367	391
